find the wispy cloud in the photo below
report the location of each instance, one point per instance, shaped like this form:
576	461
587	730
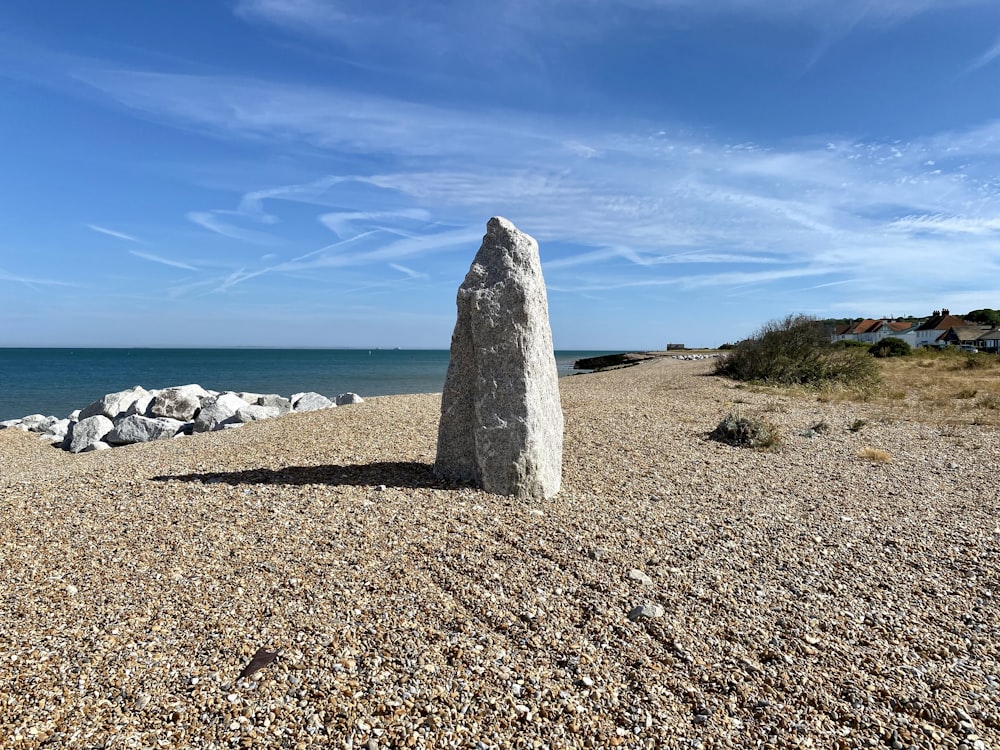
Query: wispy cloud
448	30
372	247
346	222
649	201
162	260
732	279
408	271
113	233
352	22
938	223
212	221
985	58
32	281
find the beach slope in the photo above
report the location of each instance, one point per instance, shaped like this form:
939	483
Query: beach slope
800	597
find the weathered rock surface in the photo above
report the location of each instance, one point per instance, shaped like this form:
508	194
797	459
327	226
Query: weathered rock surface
312	402
36	423
138	429
58	430
216	410
256	412
345	399
181	402
142	405
87	433
114	405
501	420
272	400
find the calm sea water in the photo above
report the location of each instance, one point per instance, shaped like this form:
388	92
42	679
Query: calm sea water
57	381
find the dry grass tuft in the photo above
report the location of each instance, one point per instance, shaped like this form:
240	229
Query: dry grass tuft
938	388
746	432
875	454
989	402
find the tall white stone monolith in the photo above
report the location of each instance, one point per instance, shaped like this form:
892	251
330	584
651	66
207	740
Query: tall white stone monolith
501	420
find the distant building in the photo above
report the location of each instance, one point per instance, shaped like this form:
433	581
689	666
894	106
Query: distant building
870	331
932	330
989	341
963	336
940	329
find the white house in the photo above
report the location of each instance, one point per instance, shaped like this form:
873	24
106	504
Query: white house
871	331
931	330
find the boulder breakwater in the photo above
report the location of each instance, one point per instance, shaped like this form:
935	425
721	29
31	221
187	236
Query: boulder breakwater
138	415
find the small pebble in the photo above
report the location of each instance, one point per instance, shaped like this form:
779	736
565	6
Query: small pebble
639	577
646	611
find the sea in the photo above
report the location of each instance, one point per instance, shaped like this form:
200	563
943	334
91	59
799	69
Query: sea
57	381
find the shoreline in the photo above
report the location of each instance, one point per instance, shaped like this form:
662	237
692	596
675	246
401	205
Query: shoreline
809	596
53	383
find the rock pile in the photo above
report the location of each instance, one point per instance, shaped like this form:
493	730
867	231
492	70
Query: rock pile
694	357
501	420
137	415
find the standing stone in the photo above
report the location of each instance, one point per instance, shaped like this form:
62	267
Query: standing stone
501	421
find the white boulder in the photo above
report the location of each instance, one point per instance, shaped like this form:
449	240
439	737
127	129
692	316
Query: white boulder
35	423
88	432
281	403
181	402
256	412
57	431
136	428
312	402
114	405
216	410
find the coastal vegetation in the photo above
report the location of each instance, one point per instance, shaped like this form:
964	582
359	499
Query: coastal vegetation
942	387
796	350
939	386
746	432
888	347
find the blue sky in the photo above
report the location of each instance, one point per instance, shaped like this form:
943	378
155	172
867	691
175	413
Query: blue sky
320	172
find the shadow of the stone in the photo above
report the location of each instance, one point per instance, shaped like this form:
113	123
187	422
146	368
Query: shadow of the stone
408	474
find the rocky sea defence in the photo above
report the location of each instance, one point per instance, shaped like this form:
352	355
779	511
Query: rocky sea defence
138	415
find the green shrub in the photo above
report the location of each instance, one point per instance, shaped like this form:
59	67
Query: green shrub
978	361
746	432
890	347
850	344
797	351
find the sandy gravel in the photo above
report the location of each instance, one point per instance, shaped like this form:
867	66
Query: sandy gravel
810	597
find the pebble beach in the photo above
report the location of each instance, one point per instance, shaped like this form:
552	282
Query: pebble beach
677	593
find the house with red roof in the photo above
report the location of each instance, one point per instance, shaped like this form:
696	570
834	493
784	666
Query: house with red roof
933	330
870	331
